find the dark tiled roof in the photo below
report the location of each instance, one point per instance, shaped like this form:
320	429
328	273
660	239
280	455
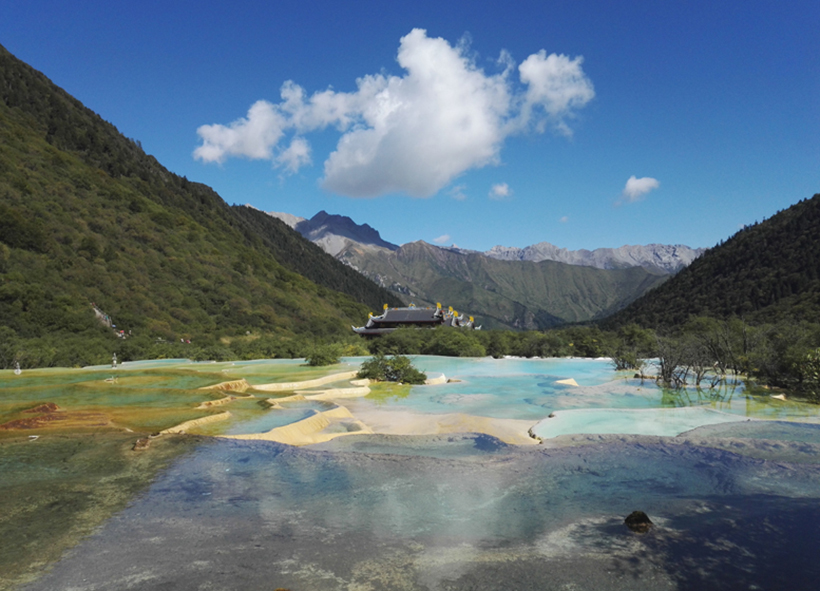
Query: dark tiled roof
407	315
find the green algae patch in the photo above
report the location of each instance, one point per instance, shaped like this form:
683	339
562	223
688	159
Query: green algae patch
384	392
57	489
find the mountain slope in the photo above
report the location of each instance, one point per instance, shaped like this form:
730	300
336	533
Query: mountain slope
310	260
766	272
501	294
86	216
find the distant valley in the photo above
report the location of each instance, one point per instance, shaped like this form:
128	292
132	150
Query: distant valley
536	287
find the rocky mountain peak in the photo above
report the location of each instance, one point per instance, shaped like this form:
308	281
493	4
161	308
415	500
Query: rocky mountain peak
334	232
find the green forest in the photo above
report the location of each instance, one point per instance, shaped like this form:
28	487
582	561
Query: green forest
766	272
96	237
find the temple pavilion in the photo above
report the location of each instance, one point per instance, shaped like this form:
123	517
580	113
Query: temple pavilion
394	318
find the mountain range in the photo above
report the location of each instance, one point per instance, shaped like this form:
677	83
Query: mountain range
658	257
336	232
532	288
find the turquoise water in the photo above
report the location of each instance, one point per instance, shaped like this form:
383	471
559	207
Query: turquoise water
510	388
667	422
586	372
529	389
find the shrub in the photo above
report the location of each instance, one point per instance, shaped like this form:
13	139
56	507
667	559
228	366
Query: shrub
324	355
394	369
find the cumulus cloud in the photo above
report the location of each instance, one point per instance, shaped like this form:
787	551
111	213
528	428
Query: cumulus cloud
637	188
295	156
412	133
252	137
443	239
556	84
500	192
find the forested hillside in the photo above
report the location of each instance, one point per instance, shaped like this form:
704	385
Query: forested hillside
87	217
767	272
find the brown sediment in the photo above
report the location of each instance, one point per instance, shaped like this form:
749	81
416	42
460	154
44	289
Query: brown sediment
59	418
288	386
359	390
220	402
232	386
184	427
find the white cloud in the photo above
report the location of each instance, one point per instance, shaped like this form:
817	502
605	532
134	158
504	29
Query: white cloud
458	192
635	188
413	133
443	239
252	137
564	219
500	192
296	156
556	84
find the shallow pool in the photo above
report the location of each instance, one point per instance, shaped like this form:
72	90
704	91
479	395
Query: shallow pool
290	412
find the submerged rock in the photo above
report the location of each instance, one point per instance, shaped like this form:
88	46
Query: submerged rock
638	521
141	444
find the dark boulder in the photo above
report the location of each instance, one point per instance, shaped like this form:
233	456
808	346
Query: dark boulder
638	521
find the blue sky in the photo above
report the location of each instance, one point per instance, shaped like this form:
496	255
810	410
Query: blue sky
582	123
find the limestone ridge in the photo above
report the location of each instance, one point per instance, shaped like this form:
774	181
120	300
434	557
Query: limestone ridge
334	233
668	259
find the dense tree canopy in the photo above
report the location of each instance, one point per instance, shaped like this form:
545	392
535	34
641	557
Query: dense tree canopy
767	272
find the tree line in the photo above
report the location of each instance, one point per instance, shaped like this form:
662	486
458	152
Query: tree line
701	352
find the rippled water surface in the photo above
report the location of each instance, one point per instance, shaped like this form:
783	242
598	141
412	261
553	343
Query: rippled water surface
255	515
